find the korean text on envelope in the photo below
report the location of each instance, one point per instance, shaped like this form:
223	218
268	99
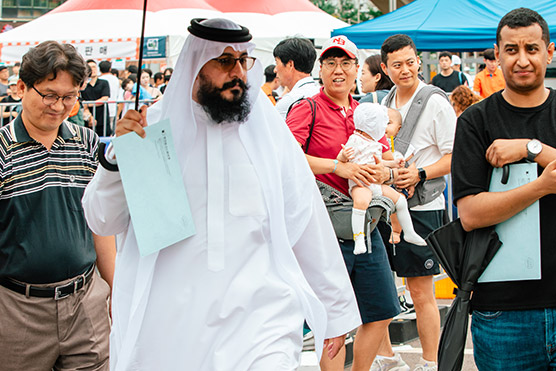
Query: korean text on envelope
154	188
519	257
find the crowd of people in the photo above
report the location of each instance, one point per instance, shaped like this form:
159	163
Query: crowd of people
269	258
104	97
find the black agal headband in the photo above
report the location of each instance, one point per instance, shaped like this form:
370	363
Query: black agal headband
218	34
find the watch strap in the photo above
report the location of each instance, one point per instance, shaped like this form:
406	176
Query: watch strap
532	155
422	174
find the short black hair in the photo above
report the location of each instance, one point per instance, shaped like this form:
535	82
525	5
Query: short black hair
47	59
269	73
88	71
523	17
489	54
105	66
90	61
2	68
374	67
132	77
299	50
445	54
115	72
125	82
158	76
17	64
132	69
334	53
147	70
395	43
168	69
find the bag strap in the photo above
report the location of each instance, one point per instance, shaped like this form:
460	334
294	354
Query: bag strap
292	105
460	80
375	97
313	105
390	96
403	139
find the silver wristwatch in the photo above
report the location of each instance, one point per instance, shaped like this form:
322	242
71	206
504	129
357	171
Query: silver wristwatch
534	147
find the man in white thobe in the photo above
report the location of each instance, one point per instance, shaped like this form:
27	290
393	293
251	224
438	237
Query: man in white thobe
264	259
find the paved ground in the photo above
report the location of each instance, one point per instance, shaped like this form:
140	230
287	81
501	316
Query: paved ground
410	351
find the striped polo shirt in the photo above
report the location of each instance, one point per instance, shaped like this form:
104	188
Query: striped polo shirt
44	237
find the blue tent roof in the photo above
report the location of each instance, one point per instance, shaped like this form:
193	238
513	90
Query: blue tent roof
456	25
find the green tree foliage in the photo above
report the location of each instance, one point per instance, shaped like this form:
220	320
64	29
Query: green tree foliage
346	10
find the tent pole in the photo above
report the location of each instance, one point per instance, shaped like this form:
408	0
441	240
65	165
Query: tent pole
426	66
392	5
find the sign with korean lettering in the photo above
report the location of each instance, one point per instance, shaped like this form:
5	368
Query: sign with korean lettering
154	47
99	49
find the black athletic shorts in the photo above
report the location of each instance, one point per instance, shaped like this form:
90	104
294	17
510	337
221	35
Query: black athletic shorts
409	260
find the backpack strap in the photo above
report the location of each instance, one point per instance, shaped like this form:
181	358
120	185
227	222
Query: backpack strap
403	139
313	105
292	105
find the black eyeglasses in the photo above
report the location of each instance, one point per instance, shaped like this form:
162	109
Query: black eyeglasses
50	99
227	63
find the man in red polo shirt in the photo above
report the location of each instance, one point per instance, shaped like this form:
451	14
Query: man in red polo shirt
333	123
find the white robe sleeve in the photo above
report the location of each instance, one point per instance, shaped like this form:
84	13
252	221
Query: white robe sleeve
321	261
105	204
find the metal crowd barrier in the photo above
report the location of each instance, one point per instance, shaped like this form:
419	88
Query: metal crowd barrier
110	121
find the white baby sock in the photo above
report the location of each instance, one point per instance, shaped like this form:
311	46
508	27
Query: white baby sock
404	218
358	225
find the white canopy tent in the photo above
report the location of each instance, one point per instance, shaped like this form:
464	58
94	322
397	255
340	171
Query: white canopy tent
101	29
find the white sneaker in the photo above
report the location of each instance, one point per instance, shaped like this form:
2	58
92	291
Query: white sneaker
395	363
425	366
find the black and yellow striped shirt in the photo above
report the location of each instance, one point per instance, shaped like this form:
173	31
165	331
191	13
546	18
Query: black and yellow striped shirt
43	233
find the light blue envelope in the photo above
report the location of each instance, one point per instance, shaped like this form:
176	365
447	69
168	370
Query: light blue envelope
519	257
154	188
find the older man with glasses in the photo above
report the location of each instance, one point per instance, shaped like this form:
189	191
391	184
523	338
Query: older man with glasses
54	306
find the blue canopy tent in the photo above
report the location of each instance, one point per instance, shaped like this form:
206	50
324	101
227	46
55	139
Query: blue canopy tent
461	25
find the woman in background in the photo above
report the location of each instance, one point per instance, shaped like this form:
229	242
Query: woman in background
374	81
461	98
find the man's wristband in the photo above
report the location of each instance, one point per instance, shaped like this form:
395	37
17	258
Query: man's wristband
102	158
335	166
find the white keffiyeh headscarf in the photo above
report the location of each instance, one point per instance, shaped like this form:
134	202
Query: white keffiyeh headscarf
288	184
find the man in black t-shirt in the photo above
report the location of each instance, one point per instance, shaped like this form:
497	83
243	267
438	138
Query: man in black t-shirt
513	321
448	79
97	90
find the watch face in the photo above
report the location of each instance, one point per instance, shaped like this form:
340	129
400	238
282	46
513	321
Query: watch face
534	146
